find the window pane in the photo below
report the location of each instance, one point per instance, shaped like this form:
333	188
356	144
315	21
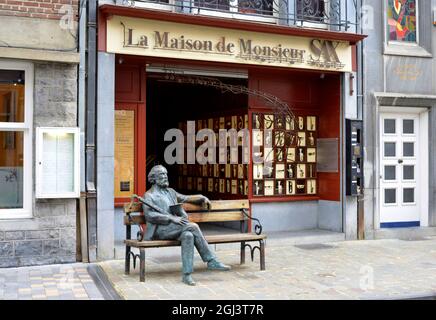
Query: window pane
255	6
11	169
409	172
390	173
11	96
390	149
389	126
213	4
408	149
408	126
311	10
401	20
408	195
390	196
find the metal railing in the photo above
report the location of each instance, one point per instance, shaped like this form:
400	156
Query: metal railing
337	15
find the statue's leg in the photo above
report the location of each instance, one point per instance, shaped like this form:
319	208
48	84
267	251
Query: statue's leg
187	240
200	242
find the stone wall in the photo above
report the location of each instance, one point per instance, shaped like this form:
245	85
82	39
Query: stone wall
50	235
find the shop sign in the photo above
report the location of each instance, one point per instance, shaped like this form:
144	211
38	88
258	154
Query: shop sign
175	40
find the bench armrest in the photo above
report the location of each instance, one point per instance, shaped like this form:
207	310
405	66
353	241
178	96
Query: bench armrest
257	226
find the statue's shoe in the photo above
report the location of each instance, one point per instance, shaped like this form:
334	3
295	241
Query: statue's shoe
187	279
216	265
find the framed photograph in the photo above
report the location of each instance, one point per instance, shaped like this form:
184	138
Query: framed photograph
235	122
257	121
290	124
258	171
290	187
290	171
280	187
257	137
280	157
234	186
311	123
301	171
258	189
269	187
311	186
301	139
228	186
290	155
311	155
300	123
279	138
222	186
300	187
228	171
300	154
210	184
280	123
311	140
280	171
222	123
241	171
268	171
268	121
189	184
268	138
311	170
268	155
200	184
241	190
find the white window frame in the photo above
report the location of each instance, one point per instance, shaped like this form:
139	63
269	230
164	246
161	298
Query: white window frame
40	131
403	43
26	128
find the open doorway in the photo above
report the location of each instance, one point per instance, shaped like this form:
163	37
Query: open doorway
170	104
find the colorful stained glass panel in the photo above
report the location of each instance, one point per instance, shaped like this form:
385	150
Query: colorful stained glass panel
402	20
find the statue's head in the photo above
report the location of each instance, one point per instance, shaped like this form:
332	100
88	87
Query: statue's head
158	175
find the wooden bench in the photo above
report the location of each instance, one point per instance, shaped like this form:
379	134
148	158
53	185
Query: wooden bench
221	211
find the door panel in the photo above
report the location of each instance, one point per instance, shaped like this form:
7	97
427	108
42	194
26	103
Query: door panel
399	169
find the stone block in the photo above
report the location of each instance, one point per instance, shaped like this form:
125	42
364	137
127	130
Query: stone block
65	221
47	209
71	207
47	222
14	235
9	262
68	240
2	235
28	248
6	249
51	247
42	234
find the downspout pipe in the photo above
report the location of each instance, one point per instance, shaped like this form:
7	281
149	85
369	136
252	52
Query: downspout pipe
90	148
82	126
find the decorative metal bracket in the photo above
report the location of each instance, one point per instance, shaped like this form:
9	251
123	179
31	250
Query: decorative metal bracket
253	249
258	226
134	256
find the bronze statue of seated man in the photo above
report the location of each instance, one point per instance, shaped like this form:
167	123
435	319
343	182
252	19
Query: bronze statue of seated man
171	222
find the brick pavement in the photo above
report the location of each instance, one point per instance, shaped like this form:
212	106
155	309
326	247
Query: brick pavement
373	269
51	282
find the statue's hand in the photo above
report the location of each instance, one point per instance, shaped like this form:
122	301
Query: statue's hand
179	220
207	203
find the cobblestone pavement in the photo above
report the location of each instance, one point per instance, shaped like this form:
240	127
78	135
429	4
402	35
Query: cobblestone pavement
373	269
52	282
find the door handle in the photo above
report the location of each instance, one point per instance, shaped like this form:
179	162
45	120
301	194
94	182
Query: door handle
400	161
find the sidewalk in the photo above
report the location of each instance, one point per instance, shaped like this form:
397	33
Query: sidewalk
372	269
75	281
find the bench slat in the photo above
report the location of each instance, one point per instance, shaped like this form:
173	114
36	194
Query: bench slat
219	205
212	239
195	217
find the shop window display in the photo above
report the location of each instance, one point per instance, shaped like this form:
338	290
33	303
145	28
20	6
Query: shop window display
288	147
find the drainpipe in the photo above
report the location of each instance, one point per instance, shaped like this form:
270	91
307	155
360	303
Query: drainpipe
91	192
360	105
82	125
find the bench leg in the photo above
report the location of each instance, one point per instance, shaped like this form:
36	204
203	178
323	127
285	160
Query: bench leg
127	261
262	255
243	252
141	265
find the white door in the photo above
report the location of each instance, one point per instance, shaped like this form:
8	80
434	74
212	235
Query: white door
400	170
